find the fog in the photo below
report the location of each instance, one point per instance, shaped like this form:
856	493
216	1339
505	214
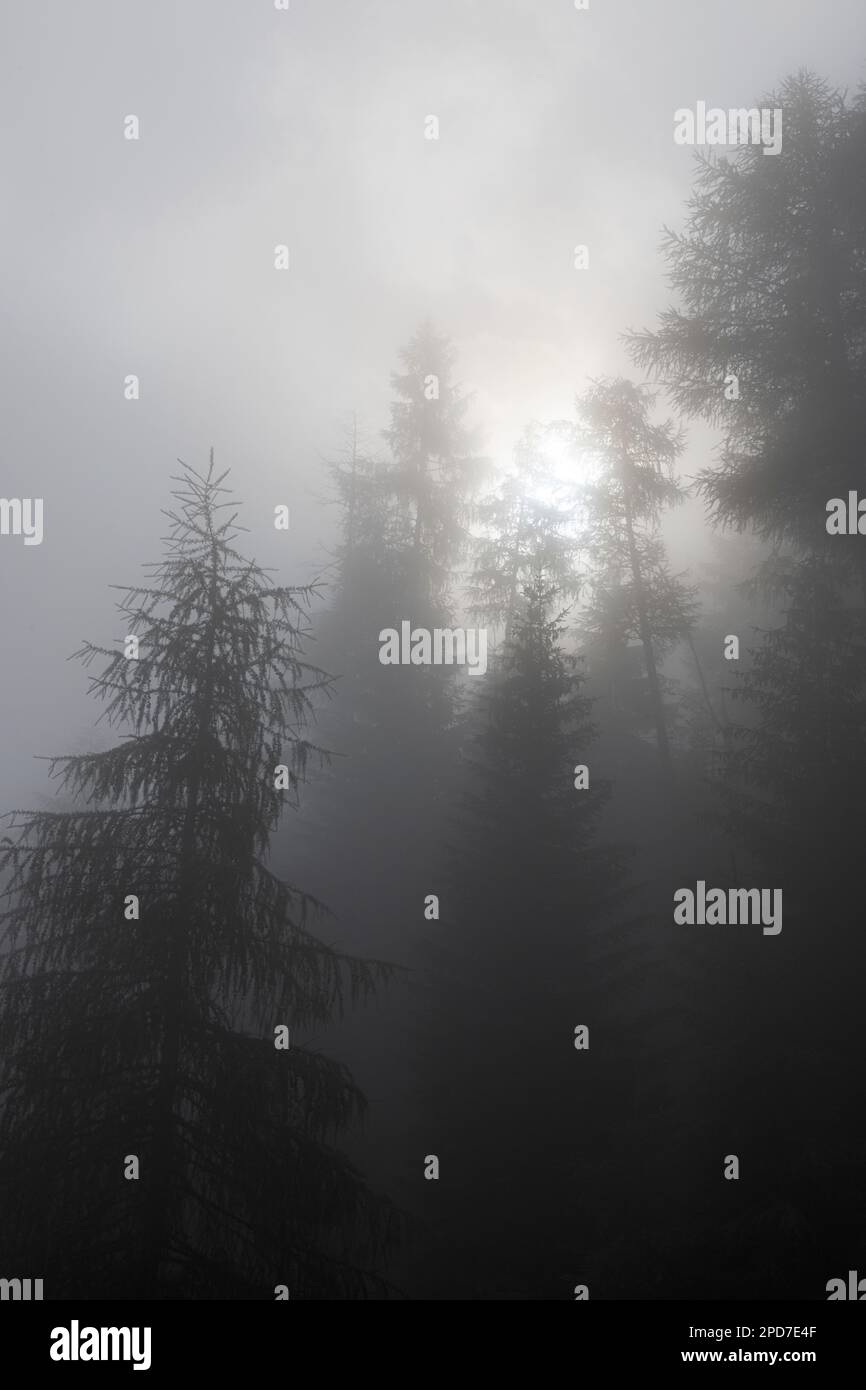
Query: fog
154	257
306	128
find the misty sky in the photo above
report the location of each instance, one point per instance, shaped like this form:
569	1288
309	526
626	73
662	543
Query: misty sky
307	127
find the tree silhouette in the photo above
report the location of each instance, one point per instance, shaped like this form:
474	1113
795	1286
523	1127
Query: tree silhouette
503	1104
632	593
524	533
434	470
770	274
158	1037
402	532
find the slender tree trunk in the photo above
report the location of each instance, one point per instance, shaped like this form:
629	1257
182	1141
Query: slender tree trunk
646	641
719	723
512	586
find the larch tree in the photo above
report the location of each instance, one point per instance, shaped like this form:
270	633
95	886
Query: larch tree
766	342
381	807
767	339
524	530
403	530
632	594
434	470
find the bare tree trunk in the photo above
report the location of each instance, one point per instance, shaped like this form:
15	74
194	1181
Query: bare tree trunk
719	723
649	655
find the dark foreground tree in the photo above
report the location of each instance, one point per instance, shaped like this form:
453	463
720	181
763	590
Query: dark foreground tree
151	958
767	341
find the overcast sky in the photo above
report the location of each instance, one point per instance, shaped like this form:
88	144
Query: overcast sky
260	127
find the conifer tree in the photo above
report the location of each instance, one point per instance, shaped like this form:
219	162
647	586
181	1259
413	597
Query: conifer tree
796	764
523	530
506	973
381	807
769	274
403	530
152	961
632	592
505	978
434	470
357	478
365	571
766	342
769	277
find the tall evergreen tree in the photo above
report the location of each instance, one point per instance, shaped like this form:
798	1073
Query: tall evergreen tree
507	970
770	272
524	531
727	607
632	592
434	469
796	764
151	957
358	482
506	983
403	531
382	805
366	571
